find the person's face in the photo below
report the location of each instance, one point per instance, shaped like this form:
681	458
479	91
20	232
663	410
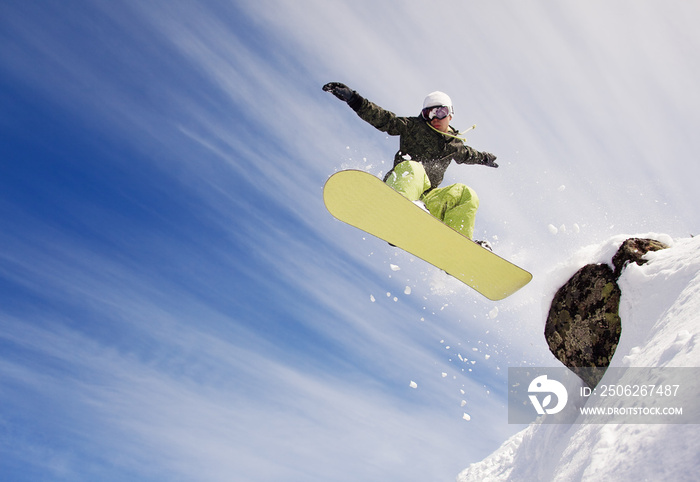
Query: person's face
441	124
433	114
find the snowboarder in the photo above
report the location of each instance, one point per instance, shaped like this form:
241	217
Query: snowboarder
427	146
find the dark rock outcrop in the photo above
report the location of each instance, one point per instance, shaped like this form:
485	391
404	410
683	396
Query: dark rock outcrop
632	251
583	325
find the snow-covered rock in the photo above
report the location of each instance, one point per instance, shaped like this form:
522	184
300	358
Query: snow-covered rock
660	309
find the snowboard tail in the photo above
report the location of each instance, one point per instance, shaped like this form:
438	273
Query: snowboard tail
365	202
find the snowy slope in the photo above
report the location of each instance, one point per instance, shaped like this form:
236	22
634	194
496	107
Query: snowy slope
660	310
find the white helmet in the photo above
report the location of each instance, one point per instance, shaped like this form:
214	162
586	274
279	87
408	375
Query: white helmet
438	98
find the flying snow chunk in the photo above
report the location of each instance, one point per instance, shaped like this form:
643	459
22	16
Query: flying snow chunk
413	384
407	291
466	417
394	267
371	298
552	229
493	313
561	188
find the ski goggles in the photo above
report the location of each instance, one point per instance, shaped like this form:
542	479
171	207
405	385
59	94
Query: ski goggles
438	111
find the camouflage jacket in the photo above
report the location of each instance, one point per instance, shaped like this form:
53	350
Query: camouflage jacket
418	141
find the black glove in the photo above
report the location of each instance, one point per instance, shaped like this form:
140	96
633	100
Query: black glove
341	91
489	160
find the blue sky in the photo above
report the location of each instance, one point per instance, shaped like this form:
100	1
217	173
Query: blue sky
177	302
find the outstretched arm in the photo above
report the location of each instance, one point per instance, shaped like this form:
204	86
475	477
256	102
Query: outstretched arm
469	155
375	115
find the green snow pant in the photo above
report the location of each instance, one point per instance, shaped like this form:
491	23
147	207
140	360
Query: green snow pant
454	205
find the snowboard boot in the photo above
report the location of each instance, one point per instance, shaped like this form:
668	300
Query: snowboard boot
484	244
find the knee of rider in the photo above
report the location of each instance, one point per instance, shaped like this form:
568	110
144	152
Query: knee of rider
409	166
469	196
413	170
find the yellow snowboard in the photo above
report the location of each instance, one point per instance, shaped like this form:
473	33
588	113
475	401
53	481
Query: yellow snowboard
365	202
